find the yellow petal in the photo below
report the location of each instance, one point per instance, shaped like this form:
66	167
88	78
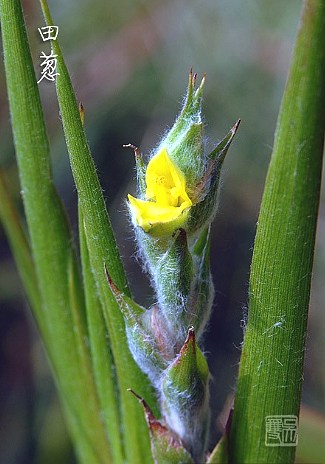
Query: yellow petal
165	182
168	204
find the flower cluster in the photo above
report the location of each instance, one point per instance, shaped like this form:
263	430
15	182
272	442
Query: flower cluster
172	212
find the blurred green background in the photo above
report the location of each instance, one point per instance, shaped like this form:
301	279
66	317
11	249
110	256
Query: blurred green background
129	62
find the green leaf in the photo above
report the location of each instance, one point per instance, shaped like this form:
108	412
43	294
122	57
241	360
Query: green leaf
185	396
147	348
103	366
185	140
271	368
166	447
190	111
208	186
220	151
103	252
86	375
203	291
173	275
50	237
96	221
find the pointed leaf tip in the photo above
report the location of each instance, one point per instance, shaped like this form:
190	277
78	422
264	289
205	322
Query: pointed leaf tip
199	90
140	168
136	150
185	396
152	422
220	151
190	363
235	127
166	446
193	95
130	309
189	343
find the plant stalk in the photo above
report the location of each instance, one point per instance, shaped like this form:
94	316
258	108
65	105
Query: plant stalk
271	367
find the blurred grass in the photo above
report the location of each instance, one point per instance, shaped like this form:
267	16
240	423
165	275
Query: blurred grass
129	63
311	446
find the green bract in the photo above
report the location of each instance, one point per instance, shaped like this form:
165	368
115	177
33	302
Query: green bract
179	186
176	203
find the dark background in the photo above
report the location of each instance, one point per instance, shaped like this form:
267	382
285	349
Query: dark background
129	62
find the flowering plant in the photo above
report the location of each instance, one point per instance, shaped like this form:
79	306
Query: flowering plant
178	197
99	341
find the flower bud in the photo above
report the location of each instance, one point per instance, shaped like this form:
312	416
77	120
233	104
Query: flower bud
173	277
202	292
179	186
177	193
185	396
185	141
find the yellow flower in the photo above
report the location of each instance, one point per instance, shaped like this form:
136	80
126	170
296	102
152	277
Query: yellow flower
168	203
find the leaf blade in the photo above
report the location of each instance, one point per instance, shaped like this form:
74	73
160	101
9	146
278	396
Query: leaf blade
104	369
103	252
271	368
48	229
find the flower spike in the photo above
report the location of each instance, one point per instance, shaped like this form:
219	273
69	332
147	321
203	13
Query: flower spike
176	202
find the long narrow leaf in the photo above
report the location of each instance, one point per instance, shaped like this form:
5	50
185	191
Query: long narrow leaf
271	368
103	252
104	369
49	233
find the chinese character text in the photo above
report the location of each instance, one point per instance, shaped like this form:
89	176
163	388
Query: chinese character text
49	67
48	32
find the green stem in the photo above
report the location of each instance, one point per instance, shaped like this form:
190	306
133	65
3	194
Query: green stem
91	198
103	252
104	369
49	233
271	368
